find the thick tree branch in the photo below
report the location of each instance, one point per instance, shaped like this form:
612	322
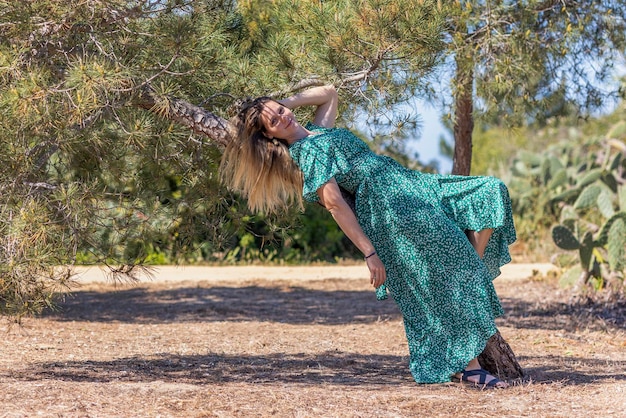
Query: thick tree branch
196	118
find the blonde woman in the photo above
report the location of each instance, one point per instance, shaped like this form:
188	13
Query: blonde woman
433	242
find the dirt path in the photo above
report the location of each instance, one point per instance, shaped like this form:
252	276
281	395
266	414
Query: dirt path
161	274
294	342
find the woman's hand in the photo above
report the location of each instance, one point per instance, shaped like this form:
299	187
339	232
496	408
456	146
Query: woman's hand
378	275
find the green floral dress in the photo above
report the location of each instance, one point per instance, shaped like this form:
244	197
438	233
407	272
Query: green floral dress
416	222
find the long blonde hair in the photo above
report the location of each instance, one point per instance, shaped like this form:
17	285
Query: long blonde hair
260	168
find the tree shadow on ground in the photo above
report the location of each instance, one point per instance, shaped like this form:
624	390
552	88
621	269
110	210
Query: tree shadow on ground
292	305
572	370
300	305
554	315
338	368
325	368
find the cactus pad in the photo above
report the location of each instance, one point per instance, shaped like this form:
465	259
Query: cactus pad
564	238
616	244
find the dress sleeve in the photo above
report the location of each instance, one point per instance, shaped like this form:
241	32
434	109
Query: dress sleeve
320	160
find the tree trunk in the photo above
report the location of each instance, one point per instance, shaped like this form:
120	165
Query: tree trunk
497	358
463	117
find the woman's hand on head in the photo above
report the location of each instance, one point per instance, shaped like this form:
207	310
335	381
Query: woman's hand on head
378	275
324	98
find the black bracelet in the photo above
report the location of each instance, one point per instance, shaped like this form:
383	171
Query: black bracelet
368	256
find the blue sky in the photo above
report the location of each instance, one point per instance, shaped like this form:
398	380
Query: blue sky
427	145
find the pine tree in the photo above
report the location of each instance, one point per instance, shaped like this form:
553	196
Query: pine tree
526	61
87	175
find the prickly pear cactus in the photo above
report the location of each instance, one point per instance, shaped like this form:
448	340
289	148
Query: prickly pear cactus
592	204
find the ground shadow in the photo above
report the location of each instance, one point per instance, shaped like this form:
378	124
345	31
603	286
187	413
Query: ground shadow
300	305
567	370
572	316
330	368
339	368
293	305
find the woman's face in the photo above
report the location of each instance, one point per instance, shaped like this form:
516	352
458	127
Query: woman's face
280	122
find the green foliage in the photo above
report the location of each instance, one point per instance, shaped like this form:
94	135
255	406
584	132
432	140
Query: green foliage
523	63
24	242
493	147
376	51
84	174
577	183
580	185
531	59
294	238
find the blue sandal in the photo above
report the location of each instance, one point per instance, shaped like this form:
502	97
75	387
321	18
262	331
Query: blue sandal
482	380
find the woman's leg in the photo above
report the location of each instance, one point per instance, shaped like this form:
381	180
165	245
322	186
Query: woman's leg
479	240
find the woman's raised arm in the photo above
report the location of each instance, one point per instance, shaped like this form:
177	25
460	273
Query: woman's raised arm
325	98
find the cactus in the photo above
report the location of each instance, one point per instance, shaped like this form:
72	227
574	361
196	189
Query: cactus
579	187
588	196
559	179
564	238
605	203
595	224
616	244
619	129
589	177
585	252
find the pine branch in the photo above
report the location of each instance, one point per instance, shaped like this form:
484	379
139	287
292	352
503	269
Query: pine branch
302	84
215	127
194	117
198	119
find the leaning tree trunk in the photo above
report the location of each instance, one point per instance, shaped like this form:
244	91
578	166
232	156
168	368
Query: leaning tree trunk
497	358
194	117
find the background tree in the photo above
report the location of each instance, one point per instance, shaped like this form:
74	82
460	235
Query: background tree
526	61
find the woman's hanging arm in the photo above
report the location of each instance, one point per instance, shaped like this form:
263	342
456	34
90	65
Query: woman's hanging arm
330	197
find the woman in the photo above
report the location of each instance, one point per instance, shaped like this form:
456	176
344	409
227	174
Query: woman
412	228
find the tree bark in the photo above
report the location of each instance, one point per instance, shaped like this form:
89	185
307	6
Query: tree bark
497	358
194	117
463	117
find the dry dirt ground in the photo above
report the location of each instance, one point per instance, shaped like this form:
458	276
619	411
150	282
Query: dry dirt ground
294	342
